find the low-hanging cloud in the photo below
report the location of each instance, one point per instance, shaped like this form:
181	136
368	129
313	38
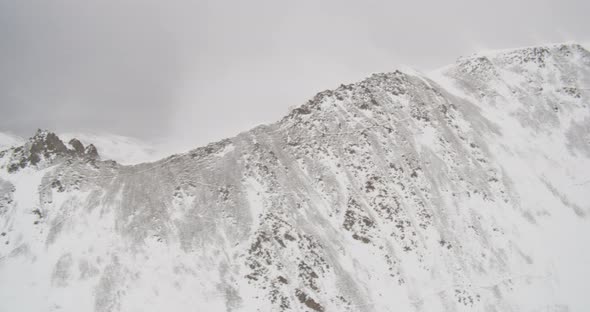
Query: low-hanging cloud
196	71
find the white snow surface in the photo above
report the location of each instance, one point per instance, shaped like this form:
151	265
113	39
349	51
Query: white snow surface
8	140
464	189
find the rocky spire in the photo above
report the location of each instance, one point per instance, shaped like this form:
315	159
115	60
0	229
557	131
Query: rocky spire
45	145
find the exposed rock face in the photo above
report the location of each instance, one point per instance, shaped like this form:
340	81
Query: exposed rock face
77	145
48	148
463	190
91	152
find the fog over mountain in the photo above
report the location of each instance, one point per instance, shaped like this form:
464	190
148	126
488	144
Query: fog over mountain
464	189
192	72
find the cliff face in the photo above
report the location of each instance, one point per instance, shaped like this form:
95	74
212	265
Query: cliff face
460	190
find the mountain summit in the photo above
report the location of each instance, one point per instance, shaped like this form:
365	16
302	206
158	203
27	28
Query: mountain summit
460	190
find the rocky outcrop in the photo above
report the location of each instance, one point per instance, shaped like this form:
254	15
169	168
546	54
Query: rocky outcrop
45	148
461	190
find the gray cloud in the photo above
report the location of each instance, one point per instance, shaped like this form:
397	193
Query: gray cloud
197	71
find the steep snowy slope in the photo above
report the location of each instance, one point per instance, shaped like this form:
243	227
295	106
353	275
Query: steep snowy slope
463	190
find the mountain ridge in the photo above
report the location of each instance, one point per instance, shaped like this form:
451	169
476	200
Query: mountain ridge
433	75
399	192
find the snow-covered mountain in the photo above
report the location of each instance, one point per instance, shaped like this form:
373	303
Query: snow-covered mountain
460	190
122	149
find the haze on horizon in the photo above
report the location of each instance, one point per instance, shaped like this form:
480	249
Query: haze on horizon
192	72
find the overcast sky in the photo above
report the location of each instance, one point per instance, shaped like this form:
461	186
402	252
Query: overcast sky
198	71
